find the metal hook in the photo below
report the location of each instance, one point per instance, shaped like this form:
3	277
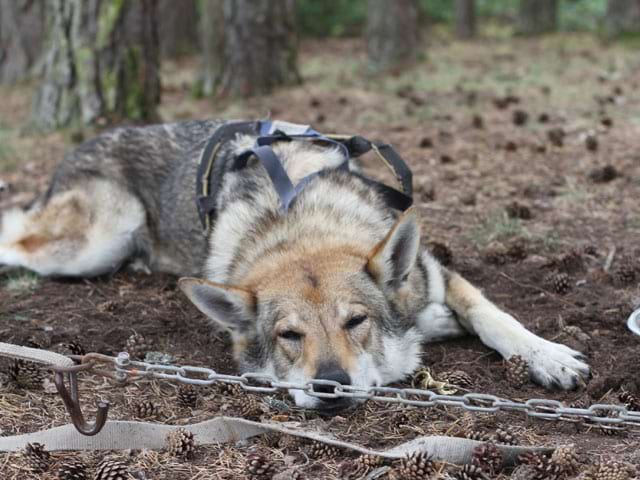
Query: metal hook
70	399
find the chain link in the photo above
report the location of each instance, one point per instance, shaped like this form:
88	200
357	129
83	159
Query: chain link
607	416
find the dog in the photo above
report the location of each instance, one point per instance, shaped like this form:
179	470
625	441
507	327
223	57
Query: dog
337	288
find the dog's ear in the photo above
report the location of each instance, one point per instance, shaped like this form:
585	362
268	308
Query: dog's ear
391	260
231	307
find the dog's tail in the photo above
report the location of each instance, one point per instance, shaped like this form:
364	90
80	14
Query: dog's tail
85	231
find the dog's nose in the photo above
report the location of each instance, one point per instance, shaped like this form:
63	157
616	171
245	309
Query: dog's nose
333	373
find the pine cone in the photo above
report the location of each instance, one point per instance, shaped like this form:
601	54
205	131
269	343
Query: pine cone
352	470
525	472
180	443
556	136
112	470
26	374
608	471
561	283
260	468
457	378
591	142
187	395
478	436
496	254
630	400
75	347
370	462
229	389
539	464
72	469
504	437
517	371
571	262
250	407
470	472
518	210
36	457
323	450
417	466
488	457
289	442
517	251
137	346
624	275
564	461
146	409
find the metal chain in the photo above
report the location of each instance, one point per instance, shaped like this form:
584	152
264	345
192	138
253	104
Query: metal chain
607	416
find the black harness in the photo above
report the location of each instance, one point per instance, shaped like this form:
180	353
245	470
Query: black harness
210	173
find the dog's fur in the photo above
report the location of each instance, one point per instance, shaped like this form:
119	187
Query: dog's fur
338	288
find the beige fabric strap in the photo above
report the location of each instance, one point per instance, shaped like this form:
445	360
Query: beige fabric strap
35	355
121	435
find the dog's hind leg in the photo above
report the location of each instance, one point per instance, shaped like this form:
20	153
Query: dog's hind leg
85	231
551	364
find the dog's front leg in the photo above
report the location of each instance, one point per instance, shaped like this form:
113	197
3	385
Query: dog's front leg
551	364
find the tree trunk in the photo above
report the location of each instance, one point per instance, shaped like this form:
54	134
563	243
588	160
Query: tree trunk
102	64
537	16
623	16
177	27
465	18
257	51
392	33
22	25
212	43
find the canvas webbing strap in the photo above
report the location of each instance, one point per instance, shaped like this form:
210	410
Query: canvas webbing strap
122	435
34	355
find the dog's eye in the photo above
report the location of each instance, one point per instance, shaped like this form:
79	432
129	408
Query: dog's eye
290	335
355	321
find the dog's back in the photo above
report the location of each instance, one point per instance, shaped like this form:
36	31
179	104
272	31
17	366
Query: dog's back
128	192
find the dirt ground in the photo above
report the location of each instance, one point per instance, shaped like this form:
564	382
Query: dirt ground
526	167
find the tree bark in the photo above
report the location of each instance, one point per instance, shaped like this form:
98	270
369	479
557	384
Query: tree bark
537	16
392	33
465	18
22	24
257	51
623	16
102	64
212	43
178	20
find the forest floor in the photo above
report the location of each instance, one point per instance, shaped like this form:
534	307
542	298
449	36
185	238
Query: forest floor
526	165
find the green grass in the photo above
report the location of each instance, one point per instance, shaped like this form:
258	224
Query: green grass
498	226
21	282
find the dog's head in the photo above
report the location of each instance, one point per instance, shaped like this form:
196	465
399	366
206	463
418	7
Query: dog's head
335	312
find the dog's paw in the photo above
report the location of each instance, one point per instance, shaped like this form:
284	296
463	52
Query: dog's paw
556	366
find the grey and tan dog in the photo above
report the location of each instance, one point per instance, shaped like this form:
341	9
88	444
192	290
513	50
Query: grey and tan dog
339	288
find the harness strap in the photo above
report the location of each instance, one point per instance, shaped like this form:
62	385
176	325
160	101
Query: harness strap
208	182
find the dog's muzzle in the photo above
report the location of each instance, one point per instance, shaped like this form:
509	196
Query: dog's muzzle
331	373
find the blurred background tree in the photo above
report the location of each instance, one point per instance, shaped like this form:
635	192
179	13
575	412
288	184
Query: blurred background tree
623	17
102	63
256	50
21	35
465	18
392	33
178	29
99	60
537	16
